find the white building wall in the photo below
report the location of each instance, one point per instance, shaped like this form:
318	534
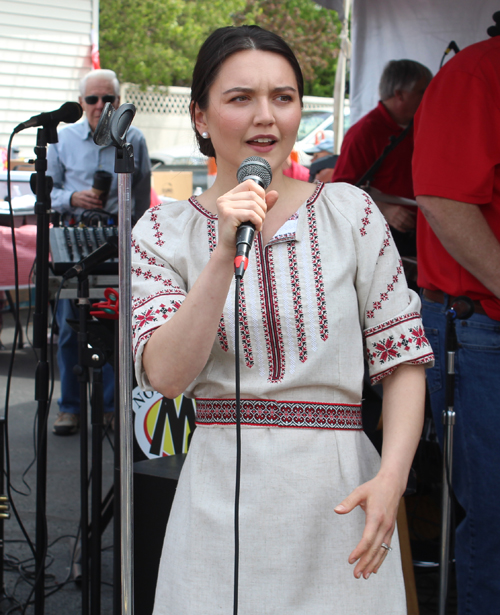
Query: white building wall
45	50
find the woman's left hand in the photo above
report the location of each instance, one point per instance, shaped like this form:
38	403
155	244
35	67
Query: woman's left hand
379	498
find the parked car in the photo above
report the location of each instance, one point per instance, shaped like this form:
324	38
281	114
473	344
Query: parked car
315	126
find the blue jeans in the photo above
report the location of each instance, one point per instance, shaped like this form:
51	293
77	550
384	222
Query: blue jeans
476	457
67	358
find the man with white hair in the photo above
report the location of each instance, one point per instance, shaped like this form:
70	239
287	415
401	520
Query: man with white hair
75	159
401	87
72	163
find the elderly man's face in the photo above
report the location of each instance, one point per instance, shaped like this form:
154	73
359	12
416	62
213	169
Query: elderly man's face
97	87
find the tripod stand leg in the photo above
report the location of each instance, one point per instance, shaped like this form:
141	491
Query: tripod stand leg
444	552
95	540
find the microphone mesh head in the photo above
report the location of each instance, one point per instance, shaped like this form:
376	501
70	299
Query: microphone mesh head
70	112
255	166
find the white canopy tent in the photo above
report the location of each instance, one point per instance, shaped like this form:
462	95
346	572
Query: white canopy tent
384	30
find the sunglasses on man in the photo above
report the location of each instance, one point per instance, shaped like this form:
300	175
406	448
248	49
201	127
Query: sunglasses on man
92	100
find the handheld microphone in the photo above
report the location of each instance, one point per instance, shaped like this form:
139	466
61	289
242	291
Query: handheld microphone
259	170
99	255
70	112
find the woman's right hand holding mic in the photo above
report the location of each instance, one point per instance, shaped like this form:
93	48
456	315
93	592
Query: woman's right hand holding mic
246	202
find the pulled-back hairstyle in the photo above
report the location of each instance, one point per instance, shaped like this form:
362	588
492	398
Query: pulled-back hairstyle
401	75
218	47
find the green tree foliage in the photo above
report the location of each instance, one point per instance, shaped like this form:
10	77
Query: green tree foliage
311	31
155	42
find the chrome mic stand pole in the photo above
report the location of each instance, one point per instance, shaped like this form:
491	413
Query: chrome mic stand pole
448	418
125	343
112	129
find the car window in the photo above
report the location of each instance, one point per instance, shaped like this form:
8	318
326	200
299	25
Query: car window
310	122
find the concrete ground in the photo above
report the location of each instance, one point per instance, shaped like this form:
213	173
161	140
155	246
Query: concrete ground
63	499
63	491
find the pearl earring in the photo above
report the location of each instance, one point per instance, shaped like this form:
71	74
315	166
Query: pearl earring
205	135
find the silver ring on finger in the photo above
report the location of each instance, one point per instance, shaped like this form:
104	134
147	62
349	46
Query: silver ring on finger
385	546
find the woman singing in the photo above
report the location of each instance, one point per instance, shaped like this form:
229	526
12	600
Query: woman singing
324	290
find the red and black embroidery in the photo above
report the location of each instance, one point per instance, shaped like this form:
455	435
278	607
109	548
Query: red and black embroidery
143	255
156	227
305	415
212	244
143	316
167	310
428	358
271	322
201	209
386	350
384	296
365	221
147	274
151	314
318	272
297	302
245	329
422	360
419	337
387	240
212	235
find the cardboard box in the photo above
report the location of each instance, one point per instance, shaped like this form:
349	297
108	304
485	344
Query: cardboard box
174	184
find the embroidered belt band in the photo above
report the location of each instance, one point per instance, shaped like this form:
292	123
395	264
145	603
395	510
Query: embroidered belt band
306	415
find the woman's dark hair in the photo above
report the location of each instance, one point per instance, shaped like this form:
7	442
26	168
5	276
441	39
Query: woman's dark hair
218	47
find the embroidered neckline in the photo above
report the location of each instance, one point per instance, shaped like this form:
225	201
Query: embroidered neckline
197	205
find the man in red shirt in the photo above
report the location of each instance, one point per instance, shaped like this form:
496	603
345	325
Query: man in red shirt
401	87
456	173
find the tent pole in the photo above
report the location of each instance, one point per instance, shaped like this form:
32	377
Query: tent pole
340	76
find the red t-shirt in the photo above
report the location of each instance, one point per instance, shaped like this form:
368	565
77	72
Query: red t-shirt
457	156
364	143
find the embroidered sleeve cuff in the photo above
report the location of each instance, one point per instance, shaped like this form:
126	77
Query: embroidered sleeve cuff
399	340
149	313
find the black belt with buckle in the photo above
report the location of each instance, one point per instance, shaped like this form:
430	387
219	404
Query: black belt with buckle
438	296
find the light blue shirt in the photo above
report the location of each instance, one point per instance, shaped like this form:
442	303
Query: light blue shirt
73	161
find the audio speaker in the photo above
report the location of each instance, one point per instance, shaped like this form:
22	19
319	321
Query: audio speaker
155	482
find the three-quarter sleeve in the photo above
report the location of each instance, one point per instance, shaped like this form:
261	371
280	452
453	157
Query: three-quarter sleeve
158	290
388	310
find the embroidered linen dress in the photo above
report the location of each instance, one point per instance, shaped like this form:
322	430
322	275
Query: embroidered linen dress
325	293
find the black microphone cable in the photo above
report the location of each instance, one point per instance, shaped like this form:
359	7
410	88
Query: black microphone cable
259	170
238	446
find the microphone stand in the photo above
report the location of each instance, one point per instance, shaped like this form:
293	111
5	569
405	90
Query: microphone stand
111	130
41	185
448	419
95	358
